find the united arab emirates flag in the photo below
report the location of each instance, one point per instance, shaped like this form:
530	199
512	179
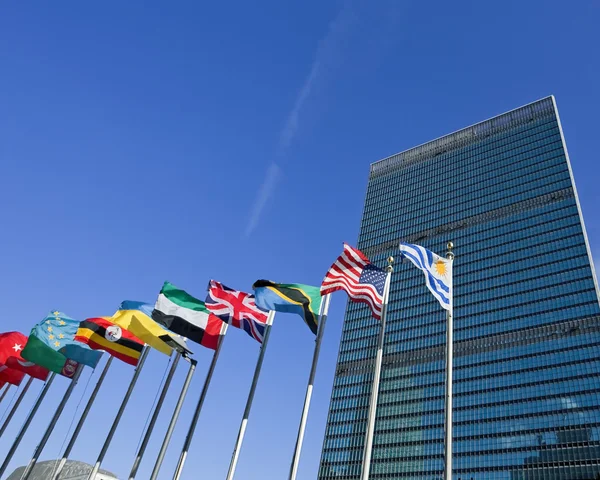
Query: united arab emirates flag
187	316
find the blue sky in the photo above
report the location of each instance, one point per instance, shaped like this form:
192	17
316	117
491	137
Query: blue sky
183	141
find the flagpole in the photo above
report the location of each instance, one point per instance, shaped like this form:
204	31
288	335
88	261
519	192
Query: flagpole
190	434
309	389
242	432
52	424
449	368
84	415
366	462
4	392
161	399
25	426
117	419
15	406
174	417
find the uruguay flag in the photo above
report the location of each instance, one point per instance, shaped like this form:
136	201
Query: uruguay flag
437	270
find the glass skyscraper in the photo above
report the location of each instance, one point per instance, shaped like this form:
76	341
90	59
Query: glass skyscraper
526	314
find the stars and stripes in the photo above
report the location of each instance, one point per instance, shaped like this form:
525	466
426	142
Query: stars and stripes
358	277
237	309
437	270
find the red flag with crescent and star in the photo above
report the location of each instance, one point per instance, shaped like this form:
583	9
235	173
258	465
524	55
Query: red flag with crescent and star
11	345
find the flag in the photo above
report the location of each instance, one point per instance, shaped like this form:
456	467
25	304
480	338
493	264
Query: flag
437	270
102	334
11	345
36	351
187	316
10	375
358	277
237	309
304	300
51	345
136	317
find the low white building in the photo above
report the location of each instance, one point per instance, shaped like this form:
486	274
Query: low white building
73	470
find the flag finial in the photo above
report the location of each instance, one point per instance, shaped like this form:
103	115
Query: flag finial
390	261
449	254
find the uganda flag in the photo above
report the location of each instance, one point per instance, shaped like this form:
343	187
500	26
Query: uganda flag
102	334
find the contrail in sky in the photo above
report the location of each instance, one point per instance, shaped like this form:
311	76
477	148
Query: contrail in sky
327	51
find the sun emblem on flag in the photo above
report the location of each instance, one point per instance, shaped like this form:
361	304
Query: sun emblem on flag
440	268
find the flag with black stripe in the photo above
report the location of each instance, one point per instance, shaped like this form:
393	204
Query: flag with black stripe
102	334
303	300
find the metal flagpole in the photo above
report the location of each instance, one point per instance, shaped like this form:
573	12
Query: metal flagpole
84	415
190	434
174	417
309	389
117	419
52	424
242	432
366	462
4	392
25	426
449	367
161	399
15	406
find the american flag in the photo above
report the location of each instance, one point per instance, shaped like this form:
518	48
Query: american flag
238	309
358	277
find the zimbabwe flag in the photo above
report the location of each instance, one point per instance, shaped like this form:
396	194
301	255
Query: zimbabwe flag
102	334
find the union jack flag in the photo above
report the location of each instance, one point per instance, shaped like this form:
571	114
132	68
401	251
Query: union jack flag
238	309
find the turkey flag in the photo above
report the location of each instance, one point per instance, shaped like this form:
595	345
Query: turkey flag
9	375
11	345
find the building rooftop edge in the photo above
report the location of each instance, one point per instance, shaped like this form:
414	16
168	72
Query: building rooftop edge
462	130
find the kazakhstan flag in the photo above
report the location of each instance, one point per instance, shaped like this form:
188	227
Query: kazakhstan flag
303	300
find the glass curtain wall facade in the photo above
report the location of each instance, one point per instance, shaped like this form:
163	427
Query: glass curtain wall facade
526	308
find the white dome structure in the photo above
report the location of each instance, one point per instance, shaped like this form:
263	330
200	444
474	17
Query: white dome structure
73	470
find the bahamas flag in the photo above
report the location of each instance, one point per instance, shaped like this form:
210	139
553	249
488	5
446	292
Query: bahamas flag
52	345
303	300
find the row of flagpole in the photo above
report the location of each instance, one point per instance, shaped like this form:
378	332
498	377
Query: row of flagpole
82	419
323	312
157	408
371	418
62	462
196	415
16	405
